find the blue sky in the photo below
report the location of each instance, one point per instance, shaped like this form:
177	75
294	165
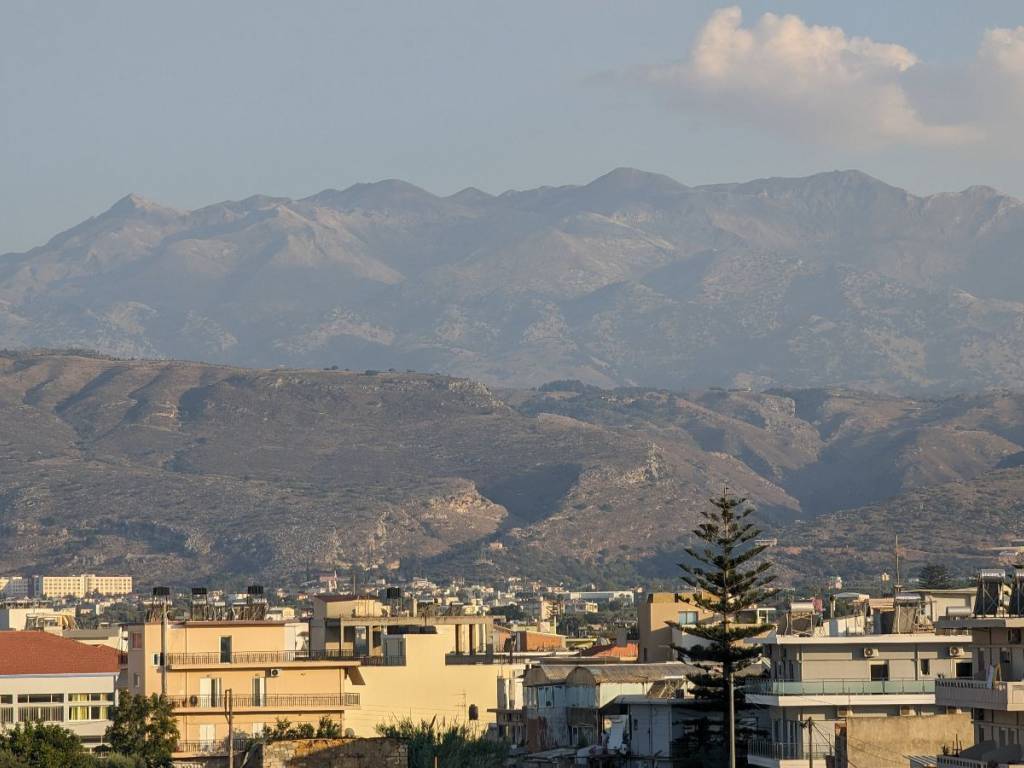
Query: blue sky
189	103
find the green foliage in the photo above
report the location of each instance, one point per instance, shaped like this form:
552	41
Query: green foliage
31	745
116	760
454	745
144	728
935	576
725	580
283	730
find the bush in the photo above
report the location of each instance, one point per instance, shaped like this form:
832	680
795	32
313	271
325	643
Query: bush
454	745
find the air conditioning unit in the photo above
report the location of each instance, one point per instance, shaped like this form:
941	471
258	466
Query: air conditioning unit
955	651
275	672
870	653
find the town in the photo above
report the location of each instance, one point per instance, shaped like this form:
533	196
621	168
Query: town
921	676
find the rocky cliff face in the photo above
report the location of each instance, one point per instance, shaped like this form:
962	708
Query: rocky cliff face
180	471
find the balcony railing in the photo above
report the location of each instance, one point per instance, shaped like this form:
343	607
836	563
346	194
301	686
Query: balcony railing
490	658
268	701
269	657
211	746
778	750
768	687
966	693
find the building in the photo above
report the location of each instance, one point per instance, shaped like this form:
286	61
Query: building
80	586
659	728
33	614
414	664
858	686
656	636
49	679
994	693
14	586
262	668
563	703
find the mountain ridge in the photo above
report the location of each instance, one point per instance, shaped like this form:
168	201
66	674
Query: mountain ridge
832	279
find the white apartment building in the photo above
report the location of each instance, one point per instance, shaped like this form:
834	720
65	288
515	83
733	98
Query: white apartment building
859	687
13	587
994	694
80	585
50	679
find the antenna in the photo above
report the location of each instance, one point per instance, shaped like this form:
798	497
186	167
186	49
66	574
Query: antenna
897	586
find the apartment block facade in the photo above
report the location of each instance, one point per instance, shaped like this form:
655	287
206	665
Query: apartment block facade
81	585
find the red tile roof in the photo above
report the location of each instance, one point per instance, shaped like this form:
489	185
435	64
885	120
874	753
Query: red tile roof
627	651
40	653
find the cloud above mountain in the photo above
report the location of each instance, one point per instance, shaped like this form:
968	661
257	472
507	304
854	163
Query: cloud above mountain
818	83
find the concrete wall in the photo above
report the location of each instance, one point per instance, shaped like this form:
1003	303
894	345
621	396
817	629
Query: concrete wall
335	753
874	742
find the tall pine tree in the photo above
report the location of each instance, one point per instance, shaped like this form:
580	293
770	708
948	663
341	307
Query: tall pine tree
725	580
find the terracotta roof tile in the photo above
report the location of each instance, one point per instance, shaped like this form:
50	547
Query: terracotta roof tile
40	653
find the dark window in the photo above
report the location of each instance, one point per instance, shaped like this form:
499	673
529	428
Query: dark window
926	666
964	669
880	672
225	650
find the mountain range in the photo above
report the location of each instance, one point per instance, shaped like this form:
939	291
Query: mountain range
189	472
634	279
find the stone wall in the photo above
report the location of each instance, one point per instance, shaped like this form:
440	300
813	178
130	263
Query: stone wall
334	753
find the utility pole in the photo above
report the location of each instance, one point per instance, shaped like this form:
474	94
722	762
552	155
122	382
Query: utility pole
163	647
229	713
896	587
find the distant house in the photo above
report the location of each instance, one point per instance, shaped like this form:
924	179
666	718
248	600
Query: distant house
45	678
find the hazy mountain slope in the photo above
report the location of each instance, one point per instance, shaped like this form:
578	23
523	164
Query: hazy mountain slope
190	470
634	278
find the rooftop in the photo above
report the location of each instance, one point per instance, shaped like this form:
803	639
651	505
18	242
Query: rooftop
40	653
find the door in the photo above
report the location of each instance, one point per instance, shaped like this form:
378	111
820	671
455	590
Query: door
207	736
205	691
259	691
225	650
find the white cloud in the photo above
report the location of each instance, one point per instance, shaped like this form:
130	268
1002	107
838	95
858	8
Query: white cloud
815	82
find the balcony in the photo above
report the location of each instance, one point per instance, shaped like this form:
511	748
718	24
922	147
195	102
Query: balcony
205	660
965	693
765	752
952	761
211	747
770	687
269	702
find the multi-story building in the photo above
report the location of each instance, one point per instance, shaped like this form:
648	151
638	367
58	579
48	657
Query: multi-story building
858	686
80	585
994	693
414	665
49	679
14	586
563	702
251	668
35	614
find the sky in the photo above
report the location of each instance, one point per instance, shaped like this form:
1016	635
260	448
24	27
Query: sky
193	102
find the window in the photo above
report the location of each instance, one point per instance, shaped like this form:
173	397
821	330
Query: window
89	706
687	617
926	666
156	659
135	680
40	698
880	671
964	669
1014	637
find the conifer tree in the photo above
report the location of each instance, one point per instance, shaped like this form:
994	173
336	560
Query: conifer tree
726	578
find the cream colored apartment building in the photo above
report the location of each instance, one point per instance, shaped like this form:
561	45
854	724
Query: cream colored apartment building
416	666
263	664
81	585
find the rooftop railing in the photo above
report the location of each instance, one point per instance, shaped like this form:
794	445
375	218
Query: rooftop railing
769	687
211	746
270	657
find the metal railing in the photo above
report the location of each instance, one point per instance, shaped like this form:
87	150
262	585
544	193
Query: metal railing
211	746
269	701
268	657
769	687
490	658
780	750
